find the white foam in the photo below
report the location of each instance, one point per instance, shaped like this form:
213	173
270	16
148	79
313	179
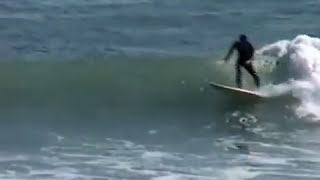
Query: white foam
264	159
169	177
239	173
152	131
157	155
6	158
301	59
277	49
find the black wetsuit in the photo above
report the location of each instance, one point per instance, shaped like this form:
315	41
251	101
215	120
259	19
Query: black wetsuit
245	54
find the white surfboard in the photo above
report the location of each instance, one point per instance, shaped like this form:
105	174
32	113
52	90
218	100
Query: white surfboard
237	91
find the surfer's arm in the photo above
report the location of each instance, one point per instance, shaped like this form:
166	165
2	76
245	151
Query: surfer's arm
250	61
227	57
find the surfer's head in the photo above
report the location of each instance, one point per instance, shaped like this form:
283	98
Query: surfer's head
242	37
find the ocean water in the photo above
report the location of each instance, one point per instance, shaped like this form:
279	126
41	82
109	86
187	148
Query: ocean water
119	89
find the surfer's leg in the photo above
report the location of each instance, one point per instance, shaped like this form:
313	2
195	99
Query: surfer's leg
253	73
238	76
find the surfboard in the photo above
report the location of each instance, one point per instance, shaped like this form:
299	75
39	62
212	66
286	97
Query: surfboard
238	91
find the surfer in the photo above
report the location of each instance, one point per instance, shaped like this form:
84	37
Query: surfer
245	59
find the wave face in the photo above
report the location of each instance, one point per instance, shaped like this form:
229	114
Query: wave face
120	82
113	81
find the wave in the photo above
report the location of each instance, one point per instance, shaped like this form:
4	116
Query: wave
296	70
114	80
286	67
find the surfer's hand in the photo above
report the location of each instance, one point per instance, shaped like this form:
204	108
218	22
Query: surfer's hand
249	62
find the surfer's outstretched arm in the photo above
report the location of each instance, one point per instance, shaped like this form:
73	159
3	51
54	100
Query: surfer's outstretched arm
227	57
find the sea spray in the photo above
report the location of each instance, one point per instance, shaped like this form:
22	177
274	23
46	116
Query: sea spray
297	71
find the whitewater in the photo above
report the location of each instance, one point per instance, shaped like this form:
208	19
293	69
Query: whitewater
296	67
